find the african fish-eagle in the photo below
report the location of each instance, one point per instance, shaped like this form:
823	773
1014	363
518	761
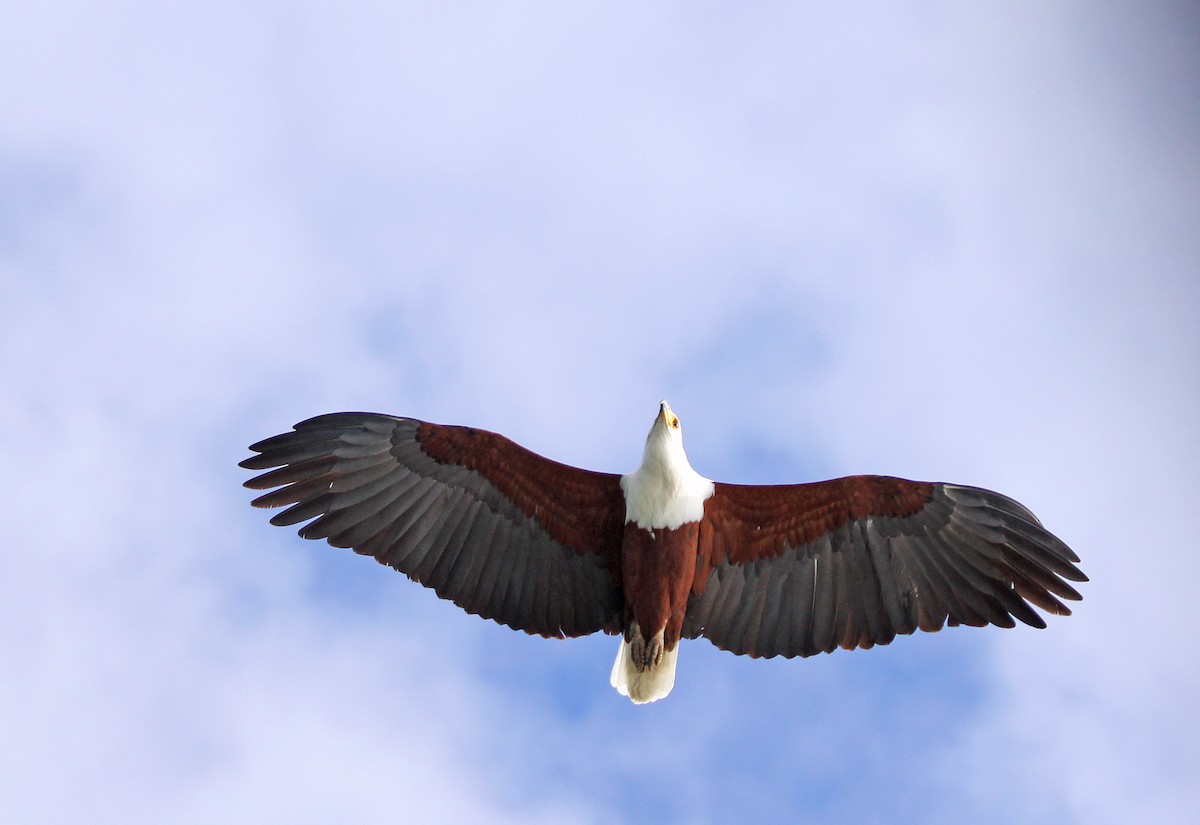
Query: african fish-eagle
661	554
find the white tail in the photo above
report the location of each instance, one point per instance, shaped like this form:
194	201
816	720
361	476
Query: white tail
651	684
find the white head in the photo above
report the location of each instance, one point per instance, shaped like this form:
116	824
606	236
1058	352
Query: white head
664	443
665	491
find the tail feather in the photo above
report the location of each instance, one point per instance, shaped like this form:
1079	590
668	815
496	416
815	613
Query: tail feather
649	685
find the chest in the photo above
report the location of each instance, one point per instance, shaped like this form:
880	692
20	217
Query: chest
658	498
660	558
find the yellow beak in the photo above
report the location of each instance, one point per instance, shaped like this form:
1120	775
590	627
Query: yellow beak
667	415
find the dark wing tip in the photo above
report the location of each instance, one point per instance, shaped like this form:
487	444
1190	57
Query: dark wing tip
341	420
1037	564
305	439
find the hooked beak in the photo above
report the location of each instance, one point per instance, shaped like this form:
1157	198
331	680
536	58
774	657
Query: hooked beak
667	416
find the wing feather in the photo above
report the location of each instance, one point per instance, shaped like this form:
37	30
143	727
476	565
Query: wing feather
771	606
957	602
456	564
823	604
844	613
893	589
862	580
988	602
499	530
360	514
805	595
485	567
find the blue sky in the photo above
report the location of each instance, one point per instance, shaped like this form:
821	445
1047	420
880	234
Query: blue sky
918	239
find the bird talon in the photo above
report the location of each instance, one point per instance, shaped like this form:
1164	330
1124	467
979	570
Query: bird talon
655	650
646	653
637	649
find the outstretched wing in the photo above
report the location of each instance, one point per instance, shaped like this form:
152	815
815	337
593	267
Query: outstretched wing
501	531
802	569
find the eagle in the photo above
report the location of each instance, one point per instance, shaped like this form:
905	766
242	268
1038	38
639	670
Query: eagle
663	553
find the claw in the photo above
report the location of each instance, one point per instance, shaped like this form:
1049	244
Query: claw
654	650
645	652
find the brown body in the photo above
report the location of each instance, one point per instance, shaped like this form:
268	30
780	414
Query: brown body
657	569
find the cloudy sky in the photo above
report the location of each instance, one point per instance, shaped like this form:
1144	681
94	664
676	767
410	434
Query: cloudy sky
906	238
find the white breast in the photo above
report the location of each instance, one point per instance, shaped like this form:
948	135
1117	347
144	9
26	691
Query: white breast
665	492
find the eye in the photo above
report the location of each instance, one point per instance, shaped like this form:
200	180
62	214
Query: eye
675	423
